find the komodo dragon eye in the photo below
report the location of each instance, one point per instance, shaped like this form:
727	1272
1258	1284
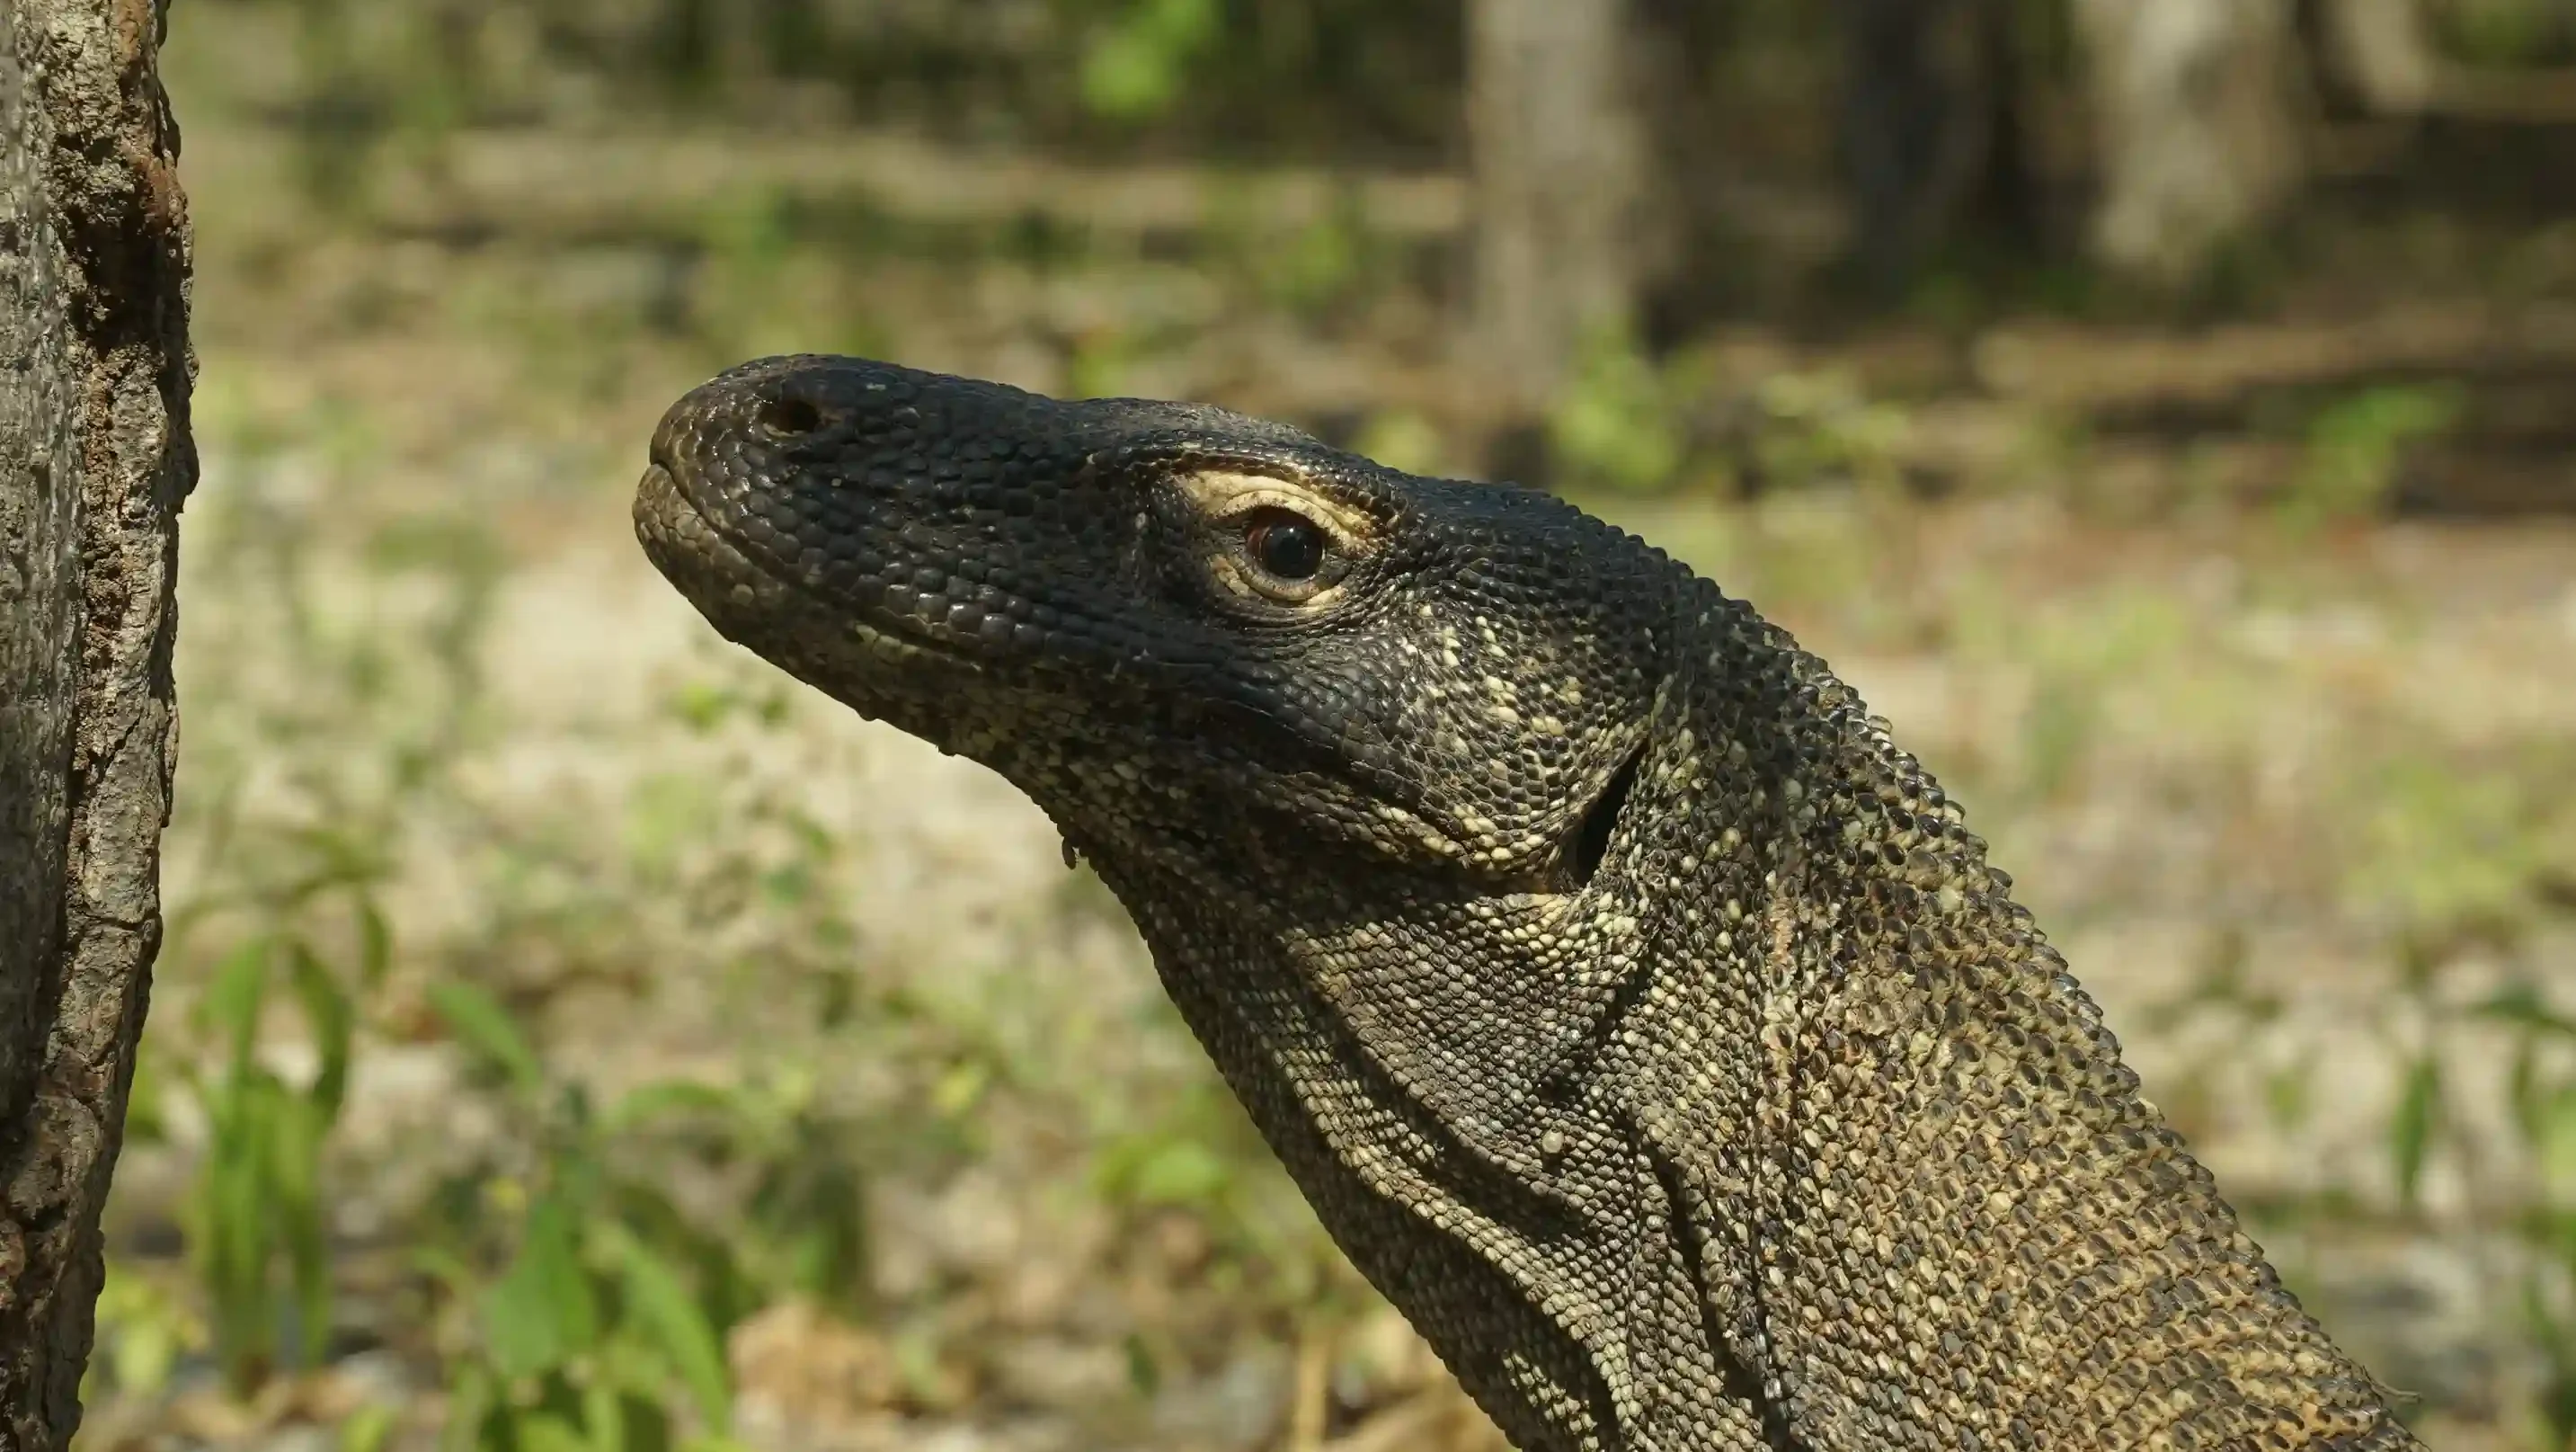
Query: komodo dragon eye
1285	544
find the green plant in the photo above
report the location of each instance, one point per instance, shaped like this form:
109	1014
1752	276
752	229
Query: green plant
2355	446
587	1304
1202	1157
280	945
1097	364
602	1326
257	1231
1319	270
144	1326
2434	1040
1264	1251
2541	1088
2442	853
1821	427
1617	423
2501	32
577	1302
1136	63
1403	439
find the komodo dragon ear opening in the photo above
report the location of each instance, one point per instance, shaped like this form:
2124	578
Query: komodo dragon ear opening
1599	825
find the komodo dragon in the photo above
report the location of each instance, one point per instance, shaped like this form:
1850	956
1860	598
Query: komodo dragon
1640	1021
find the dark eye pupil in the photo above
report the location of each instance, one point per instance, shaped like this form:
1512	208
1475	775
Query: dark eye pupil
1286	546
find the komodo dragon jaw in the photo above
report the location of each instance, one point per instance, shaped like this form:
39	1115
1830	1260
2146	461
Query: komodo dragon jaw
1638	1019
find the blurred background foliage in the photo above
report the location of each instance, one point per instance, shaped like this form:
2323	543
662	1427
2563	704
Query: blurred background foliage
572	1035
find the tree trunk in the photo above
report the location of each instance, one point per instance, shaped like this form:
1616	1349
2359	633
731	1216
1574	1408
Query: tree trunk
2199	136
94	461
1558	186
2380	49
1931	129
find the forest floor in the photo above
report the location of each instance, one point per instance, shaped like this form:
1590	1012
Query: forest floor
2245	644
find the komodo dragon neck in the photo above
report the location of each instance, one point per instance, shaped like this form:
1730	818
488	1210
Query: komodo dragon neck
1641	1022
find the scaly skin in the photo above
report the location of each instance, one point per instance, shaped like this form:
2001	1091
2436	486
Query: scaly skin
1645	1025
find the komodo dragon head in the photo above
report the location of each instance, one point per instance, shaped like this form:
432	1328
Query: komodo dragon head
1640	1021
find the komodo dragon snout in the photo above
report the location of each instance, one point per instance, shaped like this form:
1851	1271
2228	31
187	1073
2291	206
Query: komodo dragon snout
1638	1018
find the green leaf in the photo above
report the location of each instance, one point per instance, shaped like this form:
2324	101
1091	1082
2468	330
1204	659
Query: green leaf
368	1428
2522	1090
140	1331
1135	68
375	943
294	1210
2554	1141
2521	1004
958	1090
542	1311
1614	423
660	1302
673	1097
2410	1130
472	1401
2356	445
232	1002
603	1414
2286	1091
241	1209
294	1144
144	1354
1125	74
333	1021
443	1266
1182	1172
481	1024
703	707
1144	1373
645	1423
546	1432
146	1115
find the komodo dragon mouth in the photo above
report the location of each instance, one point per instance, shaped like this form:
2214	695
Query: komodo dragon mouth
1639	1019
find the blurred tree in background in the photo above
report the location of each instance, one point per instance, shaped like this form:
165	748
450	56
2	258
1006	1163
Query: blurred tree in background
1624	153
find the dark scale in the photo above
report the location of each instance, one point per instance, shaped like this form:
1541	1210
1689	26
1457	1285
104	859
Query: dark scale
1638	1018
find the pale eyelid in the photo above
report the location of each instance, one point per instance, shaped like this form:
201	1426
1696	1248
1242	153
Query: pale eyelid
1224	497
1227	500
1236	577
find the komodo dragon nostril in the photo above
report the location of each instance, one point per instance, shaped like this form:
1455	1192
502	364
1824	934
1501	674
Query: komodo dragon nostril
789	417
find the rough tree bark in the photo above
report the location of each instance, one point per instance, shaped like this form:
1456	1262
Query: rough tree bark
95	459
1559	181
2199	136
